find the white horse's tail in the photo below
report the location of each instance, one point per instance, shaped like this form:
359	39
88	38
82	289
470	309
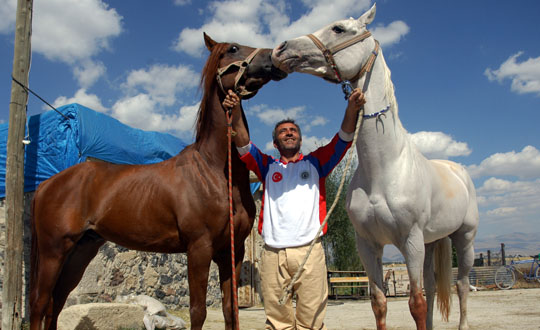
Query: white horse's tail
443	276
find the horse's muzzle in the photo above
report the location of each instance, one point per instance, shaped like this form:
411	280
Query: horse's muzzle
277	74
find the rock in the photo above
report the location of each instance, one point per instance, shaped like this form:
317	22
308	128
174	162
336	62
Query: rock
101	316
156	315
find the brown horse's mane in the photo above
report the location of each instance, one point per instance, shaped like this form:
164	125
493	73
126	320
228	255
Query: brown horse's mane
208	84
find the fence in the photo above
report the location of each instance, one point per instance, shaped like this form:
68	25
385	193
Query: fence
482	277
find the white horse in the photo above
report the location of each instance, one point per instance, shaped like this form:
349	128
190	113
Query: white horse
396	195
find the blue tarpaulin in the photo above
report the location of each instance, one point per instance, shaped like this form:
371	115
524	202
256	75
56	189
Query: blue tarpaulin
58	143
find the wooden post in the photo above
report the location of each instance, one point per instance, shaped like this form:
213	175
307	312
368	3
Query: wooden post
503	255
489	257
12	302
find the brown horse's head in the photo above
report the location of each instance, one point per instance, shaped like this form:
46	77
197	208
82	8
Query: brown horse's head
242	69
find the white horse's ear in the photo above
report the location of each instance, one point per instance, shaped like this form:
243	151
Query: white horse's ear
368	16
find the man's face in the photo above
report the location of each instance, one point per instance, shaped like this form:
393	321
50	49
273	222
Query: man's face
288	138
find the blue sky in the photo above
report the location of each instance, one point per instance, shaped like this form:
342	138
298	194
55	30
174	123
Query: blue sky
466	74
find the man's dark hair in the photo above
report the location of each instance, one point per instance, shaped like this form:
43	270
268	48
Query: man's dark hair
288	120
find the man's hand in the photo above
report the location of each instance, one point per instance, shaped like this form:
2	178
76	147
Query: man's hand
356	100
231	100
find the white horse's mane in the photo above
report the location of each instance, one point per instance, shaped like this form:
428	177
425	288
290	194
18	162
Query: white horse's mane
388	85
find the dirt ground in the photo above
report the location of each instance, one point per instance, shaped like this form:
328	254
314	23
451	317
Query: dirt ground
512	309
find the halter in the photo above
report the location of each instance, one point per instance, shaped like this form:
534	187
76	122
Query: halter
329	56
242	67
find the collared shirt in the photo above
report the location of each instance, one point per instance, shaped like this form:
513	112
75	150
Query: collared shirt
294	200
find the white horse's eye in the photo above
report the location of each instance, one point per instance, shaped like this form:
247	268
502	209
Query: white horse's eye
338	29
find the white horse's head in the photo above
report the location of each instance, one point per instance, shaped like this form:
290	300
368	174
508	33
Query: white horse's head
348	40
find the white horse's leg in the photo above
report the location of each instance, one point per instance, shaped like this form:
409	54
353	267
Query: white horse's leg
413	250
429	283
371	256
465	254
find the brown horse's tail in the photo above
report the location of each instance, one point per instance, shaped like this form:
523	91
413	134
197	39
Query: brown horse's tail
443	276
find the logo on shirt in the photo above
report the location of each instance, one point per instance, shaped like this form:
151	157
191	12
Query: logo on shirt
276	177
304	175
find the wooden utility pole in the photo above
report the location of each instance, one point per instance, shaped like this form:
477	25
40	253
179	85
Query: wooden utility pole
12	302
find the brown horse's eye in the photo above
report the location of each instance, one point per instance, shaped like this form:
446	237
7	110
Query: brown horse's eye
338	29
233	49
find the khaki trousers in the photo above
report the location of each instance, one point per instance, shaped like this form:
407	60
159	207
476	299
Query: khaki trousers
311	289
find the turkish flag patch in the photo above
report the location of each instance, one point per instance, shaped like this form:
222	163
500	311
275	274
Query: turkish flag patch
276	177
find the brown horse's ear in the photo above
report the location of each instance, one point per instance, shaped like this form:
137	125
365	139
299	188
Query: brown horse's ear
209	42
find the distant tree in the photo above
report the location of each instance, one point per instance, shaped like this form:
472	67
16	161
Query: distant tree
339	241
454	256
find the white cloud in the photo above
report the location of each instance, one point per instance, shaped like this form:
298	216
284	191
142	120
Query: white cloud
266	23
391	34
524	164
141	111
510	194
161	82
91	101
509	204
309	144
148	93
525	76
319	121
71	31
320	14
238	20
270	116
439	145
502	211
88	72
181	2
7	15
68	31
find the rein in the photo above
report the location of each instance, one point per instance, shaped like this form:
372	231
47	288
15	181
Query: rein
230	134
240	90
346	86
242	67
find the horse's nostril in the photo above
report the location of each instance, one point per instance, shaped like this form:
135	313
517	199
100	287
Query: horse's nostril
282	47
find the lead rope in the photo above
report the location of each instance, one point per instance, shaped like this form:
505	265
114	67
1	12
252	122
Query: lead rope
288	290
347	92
231	220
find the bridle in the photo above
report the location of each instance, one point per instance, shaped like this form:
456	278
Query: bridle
242	70
329	56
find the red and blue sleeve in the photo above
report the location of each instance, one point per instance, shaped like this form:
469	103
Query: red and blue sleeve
257	161
327	157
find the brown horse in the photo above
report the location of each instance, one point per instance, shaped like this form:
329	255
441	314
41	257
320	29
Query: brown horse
178	205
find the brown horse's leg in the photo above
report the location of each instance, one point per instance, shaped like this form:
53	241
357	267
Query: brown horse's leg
225	280
49	267
199	257
72	271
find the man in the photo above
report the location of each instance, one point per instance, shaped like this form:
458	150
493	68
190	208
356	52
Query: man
294	206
